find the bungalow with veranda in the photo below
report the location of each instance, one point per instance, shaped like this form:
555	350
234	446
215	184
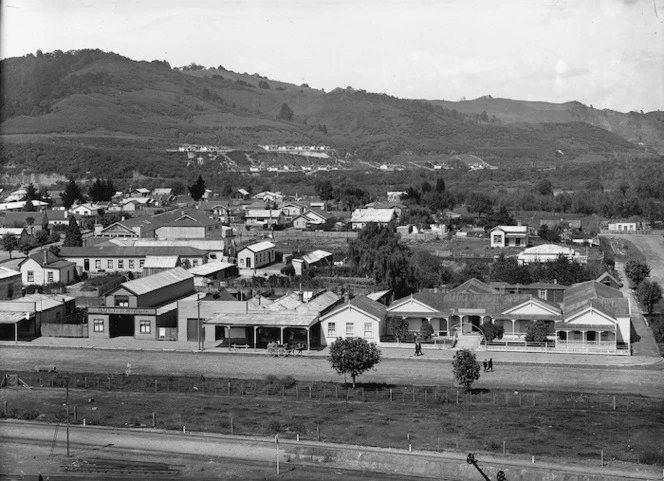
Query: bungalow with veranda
361	217
509	236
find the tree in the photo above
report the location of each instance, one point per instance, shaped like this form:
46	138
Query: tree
538	331
71	194
491	331
440	185
324	189
507	269
649	293
26	245
9	243
353	356
426	330
73	237
286	113
636	271
465	368
544	187
399	327
197	190
102	190
29	206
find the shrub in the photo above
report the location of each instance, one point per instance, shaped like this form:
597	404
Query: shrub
288	381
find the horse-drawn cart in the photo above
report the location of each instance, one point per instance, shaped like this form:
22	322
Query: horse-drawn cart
275	349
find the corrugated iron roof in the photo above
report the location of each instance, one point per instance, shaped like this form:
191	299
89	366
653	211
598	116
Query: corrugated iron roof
161	262
264	318
44	303
364	304
13	317
315	256
210	268
373	215
157	281
474	286
260	246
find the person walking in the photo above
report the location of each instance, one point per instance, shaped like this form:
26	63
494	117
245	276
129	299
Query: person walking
491	364
486	365
419	348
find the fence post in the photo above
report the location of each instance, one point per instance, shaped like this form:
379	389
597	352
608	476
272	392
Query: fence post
336	392
75	413
457	396
504	450
297	392
231	424
154	420
86	382
614	403
6	412
310	390
318	432
391	399
413	387
155	385
363	394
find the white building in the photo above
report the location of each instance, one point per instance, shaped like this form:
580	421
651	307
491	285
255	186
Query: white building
509	236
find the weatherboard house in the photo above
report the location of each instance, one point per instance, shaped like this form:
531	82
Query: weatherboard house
256	255
509	236
593	317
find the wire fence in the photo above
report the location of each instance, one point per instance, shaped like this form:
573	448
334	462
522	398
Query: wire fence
290	388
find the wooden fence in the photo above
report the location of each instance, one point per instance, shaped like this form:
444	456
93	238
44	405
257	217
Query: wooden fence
64	330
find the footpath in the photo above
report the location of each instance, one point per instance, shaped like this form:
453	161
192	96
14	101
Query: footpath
407	351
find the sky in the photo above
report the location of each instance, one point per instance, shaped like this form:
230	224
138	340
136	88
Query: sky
605	53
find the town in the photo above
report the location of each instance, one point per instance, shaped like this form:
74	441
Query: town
254	269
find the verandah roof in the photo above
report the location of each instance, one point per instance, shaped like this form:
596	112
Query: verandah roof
263	319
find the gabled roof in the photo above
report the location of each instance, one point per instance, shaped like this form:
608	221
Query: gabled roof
319	303
260	246
362	304
474	286
210	268
161	262
512	229
579	296
606	275
274	213
374	296
20	217
373	215
44	302
134	251
157	281
315	256
6	273
47	259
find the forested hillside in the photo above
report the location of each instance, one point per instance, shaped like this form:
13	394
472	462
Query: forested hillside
89	112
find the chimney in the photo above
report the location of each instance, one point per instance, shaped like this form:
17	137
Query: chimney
45	256
300	296
555	281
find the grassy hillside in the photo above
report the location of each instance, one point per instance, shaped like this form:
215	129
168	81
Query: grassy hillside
90	111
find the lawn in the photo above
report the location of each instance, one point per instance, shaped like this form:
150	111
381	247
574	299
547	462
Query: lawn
558	426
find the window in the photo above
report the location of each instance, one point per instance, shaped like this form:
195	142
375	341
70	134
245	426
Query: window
368	329
497	239
109	264
349	329
49	276
195	263
541	293
31	276
331	329
145	327
120	264
121	301
517	241
131	264
141	263
57	316
98	325
98	264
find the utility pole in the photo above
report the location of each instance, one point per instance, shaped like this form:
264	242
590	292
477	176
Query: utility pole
67	408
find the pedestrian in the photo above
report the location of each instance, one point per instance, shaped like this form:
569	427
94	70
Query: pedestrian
485	365
419	349
491	364
416	348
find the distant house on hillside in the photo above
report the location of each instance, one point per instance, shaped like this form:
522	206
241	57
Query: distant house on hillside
256	255
548	253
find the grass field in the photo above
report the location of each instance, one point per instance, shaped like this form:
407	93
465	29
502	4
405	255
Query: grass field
562	426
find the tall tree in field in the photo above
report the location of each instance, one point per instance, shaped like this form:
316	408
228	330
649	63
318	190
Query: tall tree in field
649	293
465	368
197	189
286	113
73	238
71	194
102	190
353	356
9	243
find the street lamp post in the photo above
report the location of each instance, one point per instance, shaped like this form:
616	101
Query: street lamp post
67	408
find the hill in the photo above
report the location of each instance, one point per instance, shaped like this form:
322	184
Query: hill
643	129
94	113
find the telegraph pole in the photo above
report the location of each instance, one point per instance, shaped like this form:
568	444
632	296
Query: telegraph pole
67	408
